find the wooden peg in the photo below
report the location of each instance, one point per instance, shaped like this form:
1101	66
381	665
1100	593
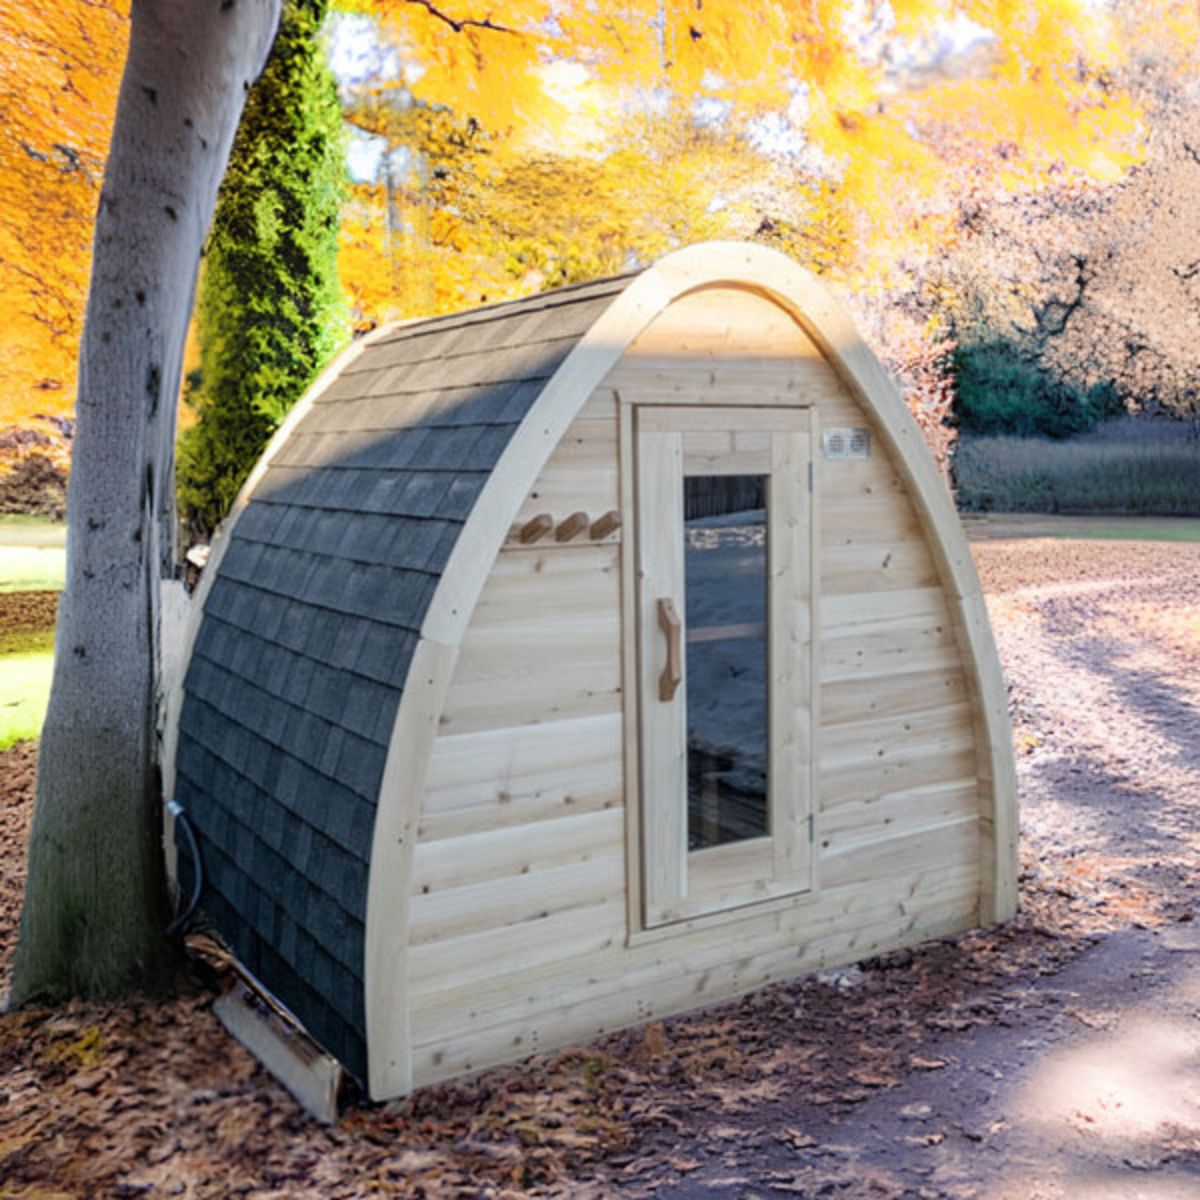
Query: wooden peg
535	528
575	524
603	526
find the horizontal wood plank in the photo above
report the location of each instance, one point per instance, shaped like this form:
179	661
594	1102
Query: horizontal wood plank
679	981
948	843
851	700
866	565
575	690
472	959
578	794
862	610
941	760
450	913
503	853
878	818
902	646
881	739
711	429
513	761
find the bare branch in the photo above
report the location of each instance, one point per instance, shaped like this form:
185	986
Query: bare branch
459	25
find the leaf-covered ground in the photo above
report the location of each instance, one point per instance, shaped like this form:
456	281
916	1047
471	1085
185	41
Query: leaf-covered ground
1053	1059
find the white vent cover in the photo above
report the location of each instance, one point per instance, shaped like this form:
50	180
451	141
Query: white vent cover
846	443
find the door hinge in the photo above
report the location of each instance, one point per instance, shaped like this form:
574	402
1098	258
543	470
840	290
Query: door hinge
812	828
811	473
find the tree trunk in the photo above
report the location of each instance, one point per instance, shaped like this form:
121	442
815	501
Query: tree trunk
95	902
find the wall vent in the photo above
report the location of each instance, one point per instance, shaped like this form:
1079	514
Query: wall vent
846	443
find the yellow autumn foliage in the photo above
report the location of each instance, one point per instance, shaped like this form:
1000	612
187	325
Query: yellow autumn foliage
551	140
848	135
59	71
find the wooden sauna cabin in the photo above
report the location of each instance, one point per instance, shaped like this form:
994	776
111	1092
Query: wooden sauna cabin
585	659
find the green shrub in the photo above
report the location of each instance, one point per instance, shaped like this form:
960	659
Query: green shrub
1000	392
270	311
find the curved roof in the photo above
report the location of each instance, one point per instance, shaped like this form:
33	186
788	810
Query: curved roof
311	612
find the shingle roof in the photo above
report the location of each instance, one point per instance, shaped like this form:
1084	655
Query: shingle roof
310	624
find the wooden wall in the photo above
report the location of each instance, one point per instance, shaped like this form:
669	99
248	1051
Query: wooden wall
522	934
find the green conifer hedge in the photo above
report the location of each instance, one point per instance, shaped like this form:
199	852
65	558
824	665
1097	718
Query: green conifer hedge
270	311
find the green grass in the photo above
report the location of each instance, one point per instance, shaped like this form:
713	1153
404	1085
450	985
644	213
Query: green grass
1127	468
26	663
49	525
32	559
33	554
31	569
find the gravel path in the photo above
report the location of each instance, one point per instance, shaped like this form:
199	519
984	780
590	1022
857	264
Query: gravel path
1102	670
1102	666
1085	1083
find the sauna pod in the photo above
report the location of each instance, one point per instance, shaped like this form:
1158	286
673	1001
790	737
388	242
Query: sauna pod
581	660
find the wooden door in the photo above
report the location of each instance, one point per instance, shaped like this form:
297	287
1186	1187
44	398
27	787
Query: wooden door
726	613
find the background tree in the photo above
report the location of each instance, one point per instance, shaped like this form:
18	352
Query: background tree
464	215
270	310
59	70
831	104
1077	300
529	152
95	903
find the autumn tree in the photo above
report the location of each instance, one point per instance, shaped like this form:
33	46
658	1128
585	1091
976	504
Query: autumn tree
1077	299
59	69
546	151
844	108
473	215
270	310
95	902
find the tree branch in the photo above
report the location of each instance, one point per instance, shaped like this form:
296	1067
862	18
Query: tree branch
465	23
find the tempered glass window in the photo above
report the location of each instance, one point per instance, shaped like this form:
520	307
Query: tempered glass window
725	597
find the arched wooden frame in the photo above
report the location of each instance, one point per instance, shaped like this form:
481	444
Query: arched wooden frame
471	562
414	732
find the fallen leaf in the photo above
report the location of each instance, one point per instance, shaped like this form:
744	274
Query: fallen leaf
786	1182
869	1077
1092	1020
926	1139
926	1064
797	1139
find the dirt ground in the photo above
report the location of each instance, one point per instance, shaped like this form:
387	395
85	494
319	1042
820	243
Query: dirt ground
1053	1059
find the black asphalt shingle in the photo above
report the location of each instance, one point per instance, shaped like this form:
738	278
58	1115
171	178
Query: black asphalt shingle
461	495
309	629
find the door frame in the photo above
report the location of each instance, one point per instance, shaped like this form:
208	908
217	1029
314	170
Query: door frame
725	882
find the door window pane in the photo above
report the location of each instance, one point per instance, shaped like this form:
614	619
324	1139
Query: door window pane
725	606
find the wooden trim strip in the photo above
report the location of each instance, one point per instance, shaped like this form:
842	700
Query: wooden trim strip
389	891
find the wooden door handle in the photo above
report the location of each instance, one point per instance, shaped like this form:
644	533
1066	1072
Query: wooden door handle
672	673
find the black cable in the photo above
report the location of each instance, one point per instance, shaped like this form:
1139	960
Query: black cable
177	926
